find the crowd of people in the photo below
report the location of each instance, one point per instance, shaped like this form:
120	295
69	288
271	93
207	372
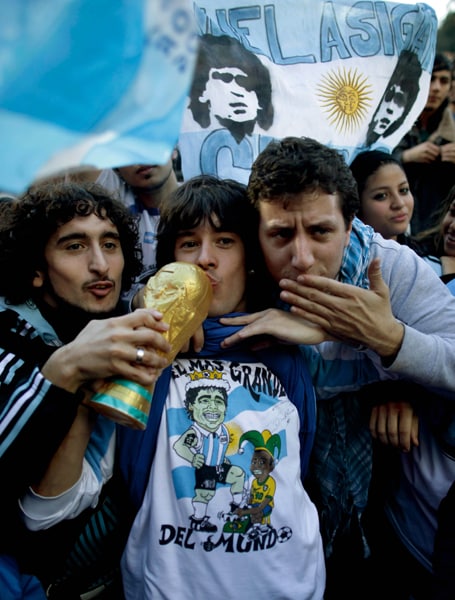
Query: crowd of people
302	444
427	151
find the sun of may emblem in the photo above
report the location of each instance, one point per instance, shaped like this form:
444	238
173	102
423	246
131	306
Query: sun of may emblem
345	97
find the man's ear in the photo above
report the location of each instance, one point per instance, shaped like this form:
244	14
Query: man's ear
348	234
38	280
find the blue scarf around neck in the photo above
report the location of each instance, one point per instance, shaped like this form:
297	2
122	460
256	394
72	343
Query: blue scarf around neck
356	257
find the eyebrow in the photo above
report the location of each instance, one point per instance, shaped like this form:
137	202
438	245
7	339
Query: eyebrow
441	77
83	236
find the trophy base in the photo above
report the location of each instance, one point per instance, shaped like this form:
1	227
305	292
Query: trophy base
124	402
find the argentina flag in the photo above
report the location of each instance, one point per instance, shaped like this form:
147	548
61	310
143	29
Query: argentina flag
91	82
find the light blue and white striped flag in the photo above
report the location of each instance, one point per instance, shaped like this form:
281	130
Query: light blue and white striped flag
91	82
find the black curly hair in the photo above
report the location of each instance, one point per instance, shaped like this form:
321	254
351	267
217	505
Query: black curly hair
28	223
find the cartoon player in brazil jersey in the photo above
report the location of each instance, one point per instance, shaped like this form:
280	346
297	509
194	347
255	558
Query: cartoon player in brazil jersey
263	486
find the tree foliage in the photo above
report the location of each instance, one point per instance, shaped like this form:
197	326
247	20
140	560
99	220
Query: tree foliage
446	35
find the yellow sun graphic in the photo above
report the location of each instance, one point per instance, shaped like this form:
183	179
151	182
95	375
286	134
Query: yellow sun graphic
345	97
234	437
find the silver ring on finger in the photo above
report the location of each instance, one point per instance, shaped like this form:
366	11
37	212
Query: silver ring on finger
140	352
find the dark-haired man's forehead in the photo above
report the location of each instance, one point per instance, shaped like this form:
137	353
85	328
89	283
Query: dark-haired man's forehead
322	205
310	191
76	229
443	75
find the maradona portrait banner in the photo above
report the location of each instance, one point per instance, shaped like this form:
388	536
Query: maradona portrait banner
352	74
91	82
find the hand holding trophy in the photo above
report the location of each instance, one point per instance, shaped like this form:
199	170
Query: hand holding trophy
182	292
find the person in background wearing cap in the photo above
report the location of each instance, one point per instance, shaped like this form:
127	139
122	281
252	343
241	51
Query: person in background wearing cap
427	151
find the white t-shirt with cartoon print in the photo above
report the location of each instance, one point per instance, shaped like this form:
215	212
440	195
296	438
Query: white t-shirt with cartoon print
209	527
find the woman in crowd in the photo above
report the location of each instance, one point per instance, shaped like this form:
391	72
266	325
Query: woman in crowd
386	201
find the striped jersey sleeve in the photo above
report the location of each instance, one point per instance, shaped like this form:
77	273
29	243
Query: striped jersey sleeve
35	415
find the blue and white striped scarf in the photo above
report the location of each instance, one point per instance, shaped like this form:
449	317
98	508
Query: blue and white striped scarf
341	463
356	257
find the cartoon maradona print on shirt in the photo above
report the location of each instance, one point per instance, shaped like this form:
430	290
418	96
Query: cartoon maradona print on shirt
206	445
225	466
225	497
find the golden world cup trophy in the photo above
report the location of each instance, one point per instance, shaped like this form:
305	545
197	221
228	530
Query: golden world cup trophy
182	292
